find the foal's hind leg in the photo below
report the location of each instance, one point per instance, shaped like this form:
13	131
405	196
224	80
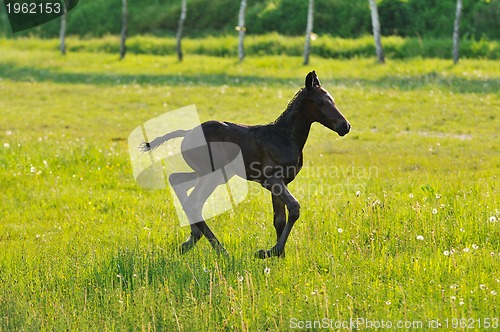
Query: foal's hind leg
181	183
196	200
193	206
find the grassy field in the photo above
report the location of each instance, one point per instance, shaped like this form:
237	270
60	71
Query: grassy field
272	45
399	224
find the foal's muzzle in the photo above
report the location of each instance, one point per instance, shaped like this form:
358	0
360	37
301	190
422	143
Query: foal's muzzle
343	128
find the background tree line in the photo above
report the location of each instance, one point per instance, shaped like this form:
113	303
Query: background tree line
341	18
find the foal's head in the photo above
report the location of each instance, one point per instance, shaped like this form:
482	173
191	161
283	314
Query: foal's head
321	107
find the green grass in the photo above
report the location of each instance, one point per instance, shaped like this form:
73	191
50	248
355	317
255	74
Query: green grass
272	44
82	247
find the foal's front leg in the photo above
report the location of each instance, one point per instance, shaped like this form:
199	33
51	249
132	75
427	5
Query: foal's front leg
279	218
281	192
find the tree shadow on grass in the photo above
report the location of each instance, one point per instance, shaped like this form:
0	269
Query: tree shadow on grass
406	83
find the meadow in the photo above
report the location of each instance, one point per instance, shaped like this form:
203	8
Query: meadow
399	221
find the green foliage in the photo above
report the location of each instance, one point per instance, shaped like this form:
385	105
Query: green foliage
340	18
431	18
82	247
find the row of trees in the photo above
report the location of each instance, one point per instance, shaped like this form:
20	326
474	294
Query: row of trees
241	28
338	18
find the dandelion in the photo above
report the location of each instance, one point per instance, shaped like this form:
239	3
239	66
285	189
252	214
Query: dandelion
388	302
32	169
493	218
411	195
240	279
446	253
475	246
453	298
340	230
466	249
267	270
358	193
438	196
461	302
434	211
6	145
483	286
494	292
420	238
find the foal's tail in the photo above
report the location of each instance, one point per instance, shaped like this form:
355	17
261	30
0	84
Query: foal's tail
150	146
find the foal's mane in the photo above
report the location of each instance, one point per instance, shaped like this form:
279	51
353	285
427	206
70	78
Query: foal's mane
292	106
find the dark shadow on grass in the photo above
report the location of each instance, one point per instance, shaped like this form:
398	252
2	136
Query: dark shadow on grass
406	83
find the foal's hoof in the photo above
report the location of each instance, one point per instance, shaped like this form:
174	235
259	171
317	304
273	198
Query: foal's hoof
186	246
262	254
222	252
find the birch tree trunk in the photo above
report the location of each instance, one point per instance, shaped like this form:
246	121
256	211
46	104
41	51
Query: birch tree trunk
456	31
376	31
241	30
123	39
62	31
309	28
179	29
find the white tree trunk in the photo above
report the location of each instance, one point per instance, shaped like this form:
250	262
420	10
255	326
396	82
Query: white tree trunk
62	32
241	30
179	29
309	28
456	31
376	31
123	47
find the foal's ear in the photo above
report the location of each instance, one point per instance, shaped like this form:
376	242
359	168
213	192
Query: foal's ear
316	80
312	80
309	79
